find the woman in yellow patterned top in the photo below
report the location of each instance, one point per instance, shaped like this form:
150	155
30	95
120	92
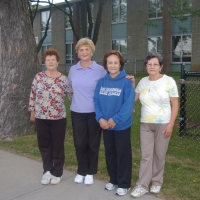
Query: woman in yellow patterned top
158	95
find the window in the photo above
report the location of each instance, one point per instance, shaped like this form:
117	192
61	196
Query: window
182	4
155	8
45	47
155	44
44	18
119	10
120	45
67	23
181	48
69	53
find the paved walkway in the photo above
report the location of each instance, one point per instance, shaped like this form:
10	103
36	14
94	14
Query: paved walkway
20	180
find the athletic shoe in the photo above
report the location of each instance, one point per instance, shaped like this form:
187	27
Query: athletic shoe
138	191
155	189
55	180
110	186
89	179
122	191
79	178
46	178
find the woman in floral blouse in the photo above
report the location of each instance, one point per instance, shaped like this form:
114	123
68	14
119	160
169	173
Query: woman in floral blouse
46	104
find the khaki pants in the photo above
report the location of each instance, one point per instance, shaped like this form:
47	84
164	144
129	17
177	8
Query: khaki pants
154	147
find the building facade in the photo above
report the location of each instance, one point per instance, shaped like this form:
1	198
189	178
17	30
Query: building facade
134	27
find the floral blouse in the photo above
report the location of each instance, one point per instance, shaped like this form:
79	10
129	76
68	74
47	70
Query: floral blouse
48	95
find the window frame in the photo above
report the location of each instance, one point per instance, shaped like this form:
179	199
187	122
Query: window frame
118	12
181	51
71	56
118	49
157	13
156	43
43	28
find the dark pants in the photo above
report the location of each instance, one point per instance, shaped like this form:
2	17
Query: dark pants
87	135
118	156
51	136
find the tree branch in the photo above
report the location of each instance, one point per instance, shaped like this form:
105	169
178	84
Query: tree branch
98	21
45	33
90	22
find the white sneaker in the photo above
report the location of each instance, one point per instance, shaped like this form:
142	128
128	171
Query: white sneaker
79	178
110	186
55	180
155	189
122	191
46	178
89	179
138	191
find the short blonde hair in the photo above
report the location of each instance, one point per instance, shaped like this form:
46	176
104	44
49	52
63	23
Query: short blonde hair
86	42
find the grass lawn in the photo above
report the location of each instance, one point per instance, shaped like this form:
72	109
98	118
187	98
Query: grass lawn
182	169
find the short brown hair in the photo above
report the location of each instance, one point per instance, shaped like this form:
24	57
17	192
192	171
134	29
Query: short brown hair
86	42
51	52
113	52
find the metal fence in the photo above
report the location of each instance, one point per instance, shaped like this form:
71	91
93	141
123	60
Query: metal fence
189	103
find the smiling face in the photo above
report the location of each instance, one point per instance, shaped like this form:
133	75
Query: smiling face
153	67
51	63
113	65
85	53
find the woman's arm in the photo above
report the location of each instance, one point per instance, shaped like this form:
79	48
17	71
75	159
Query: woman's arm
136	96
32	116
169	128
68	89
132	78
31	105
126	109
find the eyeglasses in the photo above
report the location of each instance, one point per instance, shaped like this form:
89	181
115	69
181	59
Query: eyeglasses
154	65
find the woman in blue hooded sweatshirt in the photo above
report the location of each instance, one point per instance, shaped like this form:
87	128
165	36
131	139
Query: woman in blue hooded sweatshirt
114	102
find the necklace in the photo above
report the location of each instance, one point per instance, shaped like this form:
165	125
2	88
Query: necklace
151	85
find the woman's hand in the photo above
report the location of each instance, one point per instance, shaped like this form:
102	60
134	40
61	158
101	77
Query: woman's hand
168	131
103	123
169	128
32	117
111	123
132	78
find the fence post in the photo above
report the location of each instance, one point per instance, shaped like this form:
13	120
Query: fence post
182	118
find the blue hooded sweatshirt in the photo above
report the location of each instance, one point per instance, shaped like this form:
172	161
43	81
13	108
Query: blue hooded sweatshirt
114	98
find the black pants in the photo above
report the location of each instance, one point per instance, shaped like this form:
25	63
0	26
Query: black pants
51	136
118	156
87	135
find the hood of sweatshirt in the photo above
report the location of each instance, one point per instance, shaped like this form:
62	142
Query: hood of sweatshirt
121	75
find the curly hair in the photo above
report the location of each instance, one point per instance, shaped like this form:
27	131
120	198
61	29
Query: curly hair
51	52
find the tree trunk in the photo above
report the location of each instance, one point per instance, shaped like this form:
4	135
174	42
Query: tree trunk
18	65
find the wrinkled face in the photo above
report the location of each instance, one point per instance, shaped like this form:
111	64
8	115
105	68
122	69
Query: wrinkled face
85	53
113	65
153	67
51	63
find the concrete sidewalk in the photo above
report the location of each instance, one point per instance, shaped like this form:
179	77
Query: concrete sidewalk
20	179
